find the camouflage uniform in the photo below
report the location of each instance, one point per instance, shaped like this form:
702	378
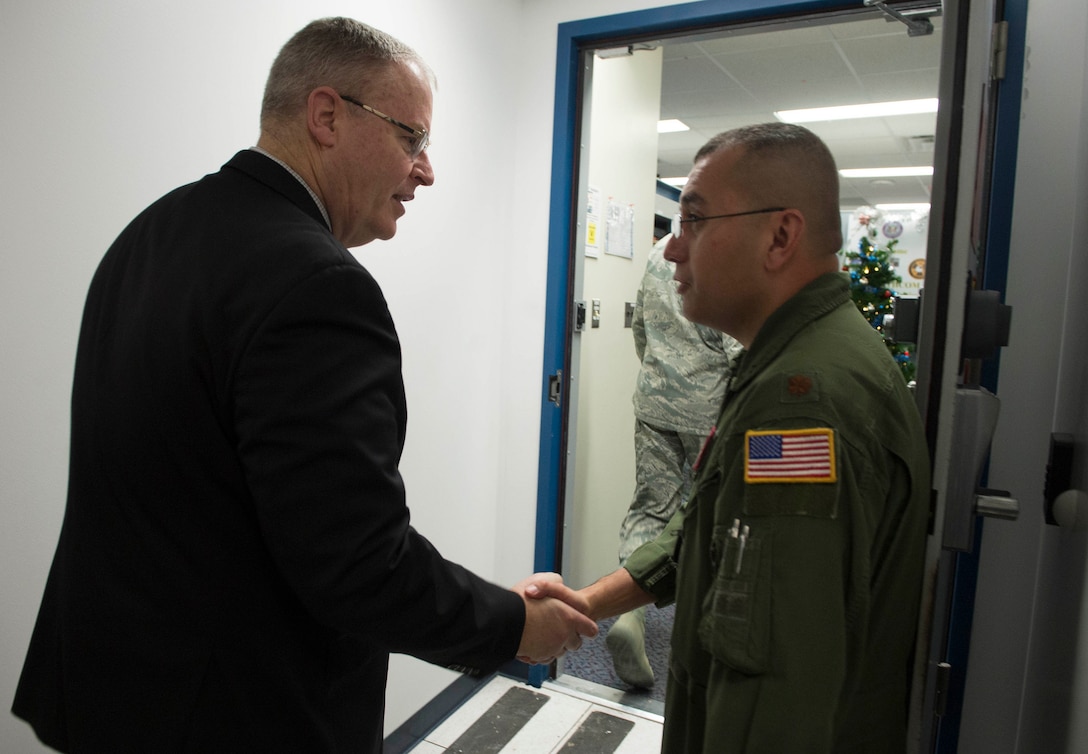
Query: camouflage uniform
797	595
679	390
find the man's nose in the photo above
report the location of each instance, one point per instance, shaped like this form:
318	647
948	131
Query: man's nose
675	249
423	171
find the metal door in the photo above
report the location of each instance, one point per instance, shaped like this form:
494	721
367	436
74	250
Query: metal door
965	253
963	326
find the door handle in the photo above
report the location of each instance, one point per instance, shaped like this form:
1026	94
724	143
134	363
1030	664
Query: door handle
997	504
975	418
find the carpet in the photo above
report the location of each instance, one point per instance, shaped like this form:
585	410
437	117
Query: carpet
593	662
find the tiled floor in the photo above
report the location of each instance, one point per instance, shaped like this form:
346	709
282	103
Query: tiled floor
507	716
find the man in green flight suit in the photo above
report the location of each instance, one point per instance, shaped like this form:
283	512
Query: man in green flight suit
796	564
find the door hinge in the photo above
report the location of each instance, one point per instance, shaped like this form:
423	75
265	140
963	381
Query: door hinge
940	698
555	387
1000	44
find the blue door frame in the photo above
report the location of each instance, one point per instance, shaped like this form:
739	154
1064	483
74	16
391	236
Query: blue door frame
994	278
574	38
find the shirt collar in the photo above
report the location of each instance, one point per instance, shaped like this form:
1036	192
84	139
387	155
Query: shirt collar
815	300
310	191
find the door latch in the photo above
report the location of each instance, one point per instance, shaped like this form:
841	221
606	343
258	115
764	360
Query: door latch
579	316
555	387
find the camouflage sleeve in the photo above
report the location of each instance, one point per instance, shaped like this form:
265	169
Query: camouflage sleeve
684	366
638	325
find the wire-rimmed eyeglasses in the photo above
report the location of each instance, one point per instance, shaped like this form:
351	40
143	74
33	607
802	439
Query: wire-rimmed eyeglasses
419	141
678	221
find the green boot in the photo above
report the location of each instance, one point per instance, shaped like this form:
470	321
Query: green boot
626	642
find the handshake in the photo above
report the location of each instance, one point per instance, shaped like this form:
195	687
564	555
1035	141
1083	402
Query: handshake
558	617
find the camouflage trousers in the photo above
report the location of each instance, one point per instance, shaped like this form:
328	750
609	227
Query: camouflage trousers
663	461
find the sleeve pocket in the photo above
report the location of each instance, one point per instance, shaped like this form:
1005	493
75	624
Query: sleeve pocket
735	627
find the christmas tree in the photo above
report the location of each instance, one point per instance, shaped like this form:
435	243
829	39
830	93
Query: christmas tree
872	275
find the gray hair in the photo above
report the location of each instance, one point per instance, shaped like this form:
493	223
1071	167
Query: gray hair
335	52
786	164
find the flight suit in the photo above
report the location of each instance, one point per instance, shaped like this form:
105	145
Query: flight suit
796	566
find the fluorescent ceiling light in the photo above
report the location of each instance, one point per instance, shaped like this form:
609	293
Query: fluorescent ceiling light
847	112
882	172
671	126
677	182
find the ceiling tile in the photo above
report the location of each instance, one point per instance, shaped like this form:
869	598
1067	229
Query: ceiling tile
717	82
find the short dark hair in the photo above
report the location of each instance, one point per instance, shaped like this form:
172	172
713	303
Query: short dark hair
334	52
786	164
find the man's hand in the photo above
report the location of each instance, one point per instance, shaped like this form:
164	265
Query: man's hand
612	595
552	626
551	585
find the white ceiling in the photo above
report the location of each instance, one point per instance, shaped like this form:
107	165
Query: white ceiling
714	83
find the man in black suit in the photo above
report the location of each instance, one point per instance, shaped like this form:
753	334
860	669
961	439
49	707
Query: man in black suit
236	561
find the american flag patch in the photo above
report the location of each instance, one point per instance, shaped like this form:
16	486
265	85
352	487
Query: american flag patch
790	455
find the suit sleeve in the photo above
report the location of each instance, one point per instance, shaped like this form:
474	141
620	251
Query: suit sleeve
319	417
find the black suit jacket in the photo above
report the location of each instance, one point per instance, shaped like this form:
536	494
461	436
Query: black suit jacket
236	561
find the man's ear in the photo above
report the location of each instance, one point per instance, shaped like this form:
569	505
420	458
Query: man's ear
324	111
786	239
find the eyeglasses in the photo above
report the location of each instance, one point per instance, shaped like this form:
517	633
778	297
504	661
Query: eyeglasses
419	141
678	221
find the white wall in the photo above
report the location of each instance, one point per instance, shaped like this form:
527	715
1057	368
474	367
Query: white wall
110	104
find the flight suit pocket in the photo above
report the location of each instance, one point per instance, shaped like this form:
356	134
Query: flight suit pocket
735	627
